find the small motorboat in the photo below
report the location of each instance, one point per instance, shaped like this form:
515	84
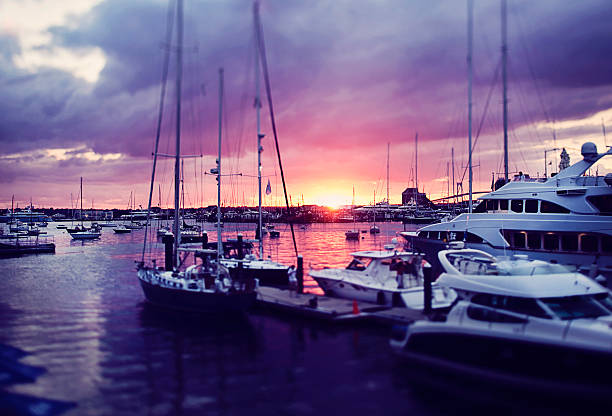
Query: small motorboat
384	277
122	230
86	235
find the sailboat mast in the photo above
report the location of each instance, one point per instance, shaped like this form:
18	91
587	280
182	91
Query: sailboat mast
219	241
504	50
416	171
388	145
259	135
177	159
469	68
453	168
81	202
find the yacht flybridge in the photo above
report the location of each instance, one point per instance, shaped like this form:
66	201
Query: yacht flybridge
566	218
519	321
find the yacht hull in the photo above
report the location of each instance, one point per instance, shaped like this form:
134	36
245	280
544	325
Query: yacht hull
532	365
411	298
197	301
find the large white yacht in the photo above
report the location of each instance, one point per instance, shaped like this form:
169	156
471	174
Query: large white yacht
519	321
566	218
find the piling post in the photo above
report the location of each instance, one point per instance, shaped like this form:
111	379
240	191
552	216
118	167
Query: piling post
300	274
240	247
204	239
427	294
168	241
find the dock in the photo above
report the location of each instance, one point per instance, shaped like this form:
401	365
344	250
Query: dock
333	309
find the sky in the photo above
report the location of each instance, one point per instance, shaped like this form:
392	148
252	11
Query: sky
352	83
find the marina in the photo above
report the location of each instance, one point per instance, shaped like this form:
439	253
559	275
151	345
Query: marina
241	278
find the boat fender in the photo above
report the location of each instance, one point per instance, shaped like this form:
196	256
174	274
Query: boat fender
313	302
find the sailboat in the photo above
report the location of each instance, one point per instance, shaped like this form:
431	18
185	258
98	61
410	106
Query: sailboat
374	229
267	271
84	233
354	233
204	286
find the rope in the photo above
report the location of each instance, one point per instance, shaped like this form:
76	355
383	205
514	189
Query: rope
169	27
264	62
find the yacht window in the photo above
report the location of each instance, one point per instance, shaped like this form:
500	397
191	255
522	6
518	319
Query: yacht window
551	241
473	238
423	234
547	207
531	206
479	313
481	207
534	240
359	265
605	300
516	205
569	242
518	240
574	307
526	306
492	204
602	202
606	243
503	204
588	243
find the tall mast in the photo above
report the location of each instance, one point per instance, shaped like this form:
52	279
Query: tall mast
81	202
388	145
259	135
504	50
177	159
219	242
416	172
469	65
183	187
416	162
453	168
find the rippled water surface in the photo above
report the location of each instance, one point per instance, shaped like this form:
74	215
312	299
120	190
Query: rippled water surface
80	313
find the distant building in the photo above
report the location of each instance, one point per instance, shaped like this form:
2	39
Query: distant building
94	215
408	198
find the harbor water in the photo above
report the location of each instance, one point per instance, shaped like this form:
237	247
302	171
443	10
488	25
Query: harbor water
81	315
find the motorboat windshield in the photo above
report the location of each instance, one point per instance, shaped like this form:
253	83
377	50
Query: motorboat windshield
575	307
526	267
359	264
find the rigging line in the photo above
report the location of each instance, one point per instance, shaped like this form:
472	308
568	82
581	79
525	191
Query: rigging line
169	30
484	112
531	69
264	63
